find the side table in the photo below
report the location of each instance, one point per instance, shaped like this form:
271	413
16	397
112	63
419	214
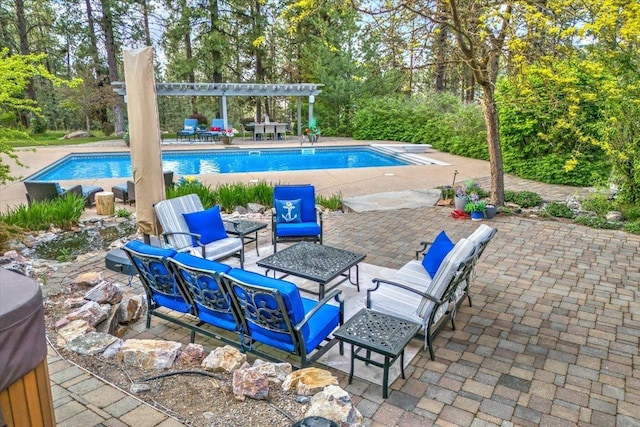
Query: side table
245	230
379	333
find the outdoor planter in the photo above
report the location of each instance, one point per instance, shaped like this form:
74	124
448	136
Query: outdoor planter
490	211
477	215
461	202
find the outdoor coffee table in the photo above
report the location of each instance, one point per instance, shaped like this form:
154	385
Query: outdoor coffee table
379	333
245	230
318	263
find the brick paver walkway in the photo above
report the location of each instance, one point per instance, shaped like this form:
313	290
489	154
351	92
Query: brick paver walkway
552	337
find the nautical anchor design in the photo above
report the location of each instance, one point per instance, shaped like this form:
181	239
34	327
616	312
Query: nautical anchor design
288	206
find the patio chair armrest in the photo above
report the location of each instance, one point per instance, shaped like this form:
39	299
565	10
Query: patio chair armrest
424	245
334	294
378	282
76	189
197	236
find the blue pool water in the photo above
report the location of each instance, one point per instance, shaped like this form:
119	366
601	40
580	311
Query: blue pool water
118	165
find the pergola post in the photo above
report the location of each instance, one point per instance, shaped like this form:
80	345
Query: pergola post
299	116
224	111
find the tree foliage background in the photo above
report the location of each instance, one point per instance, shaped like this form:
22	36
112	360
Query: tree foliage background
550	89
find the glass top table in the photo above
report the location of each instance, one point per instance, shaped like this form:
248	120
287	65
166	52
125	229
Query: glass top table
318	263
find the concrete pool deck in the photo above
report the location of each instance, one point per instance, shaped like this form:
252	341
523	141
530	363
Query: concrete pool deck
348	182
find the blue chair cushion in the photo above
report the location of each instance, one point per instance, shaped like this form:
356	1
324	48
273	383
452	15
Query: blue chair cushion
288	211
439	249
59	189
207	290
88	189
297	229
207	223
170	295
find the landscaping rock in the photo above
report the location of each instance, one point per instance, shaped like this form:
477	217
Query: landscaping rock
91	343
335	404
250	383
131	308
105	292
614	216
72	330
87	279
309	381
92	312
150	354
224	359
192	355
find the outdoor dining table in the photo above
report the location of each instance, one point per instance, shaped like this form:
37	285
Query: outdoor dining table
258	129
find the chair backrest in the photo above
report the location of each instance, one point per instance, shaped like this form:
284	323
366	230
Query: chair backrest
198	278
41	191
281	128
461	255
307	195
270	308
190	123
217	125
156	276
269	128
481	237
169	213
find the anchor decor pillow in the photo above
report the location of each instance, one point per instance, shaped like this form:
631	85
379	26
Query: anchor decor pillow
288	211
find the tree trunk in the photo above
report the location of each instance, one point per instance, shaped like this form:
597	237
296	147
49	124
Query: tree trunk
111	49
98	71
441	49
490	111
469	90
24	50
145	19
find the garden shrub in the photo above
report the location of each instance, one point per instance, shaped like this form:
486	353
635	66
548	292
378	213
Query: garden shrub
559	210
598	203
632	227
62	212
524	199
108	128
597	222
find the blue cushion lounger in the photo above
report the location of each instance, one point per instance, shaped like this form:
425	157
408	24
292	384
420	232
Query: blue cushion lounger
199	279
189	129
272	312
159	282
284	219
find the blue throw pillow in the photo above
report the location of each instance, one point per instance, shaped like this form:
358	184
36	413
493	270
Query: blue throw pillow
288	211
207	223
438	250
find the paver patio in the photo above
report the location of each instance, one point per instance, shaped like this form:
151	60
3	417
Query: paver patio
552	337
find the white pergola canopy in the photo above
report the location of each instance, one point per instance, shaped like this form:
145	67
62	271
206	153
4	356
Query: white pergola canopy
299	90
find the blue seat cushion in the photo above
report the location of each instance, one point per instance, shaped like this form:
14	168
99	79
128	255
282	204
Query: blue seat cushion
207	223
297	229
88	189
288	211
439	249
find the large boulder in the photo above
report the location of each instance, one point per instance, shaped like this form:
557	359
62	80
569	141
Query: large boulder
309	381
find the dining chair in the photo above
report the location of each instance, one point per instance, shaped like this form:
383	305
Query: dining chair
281	131
257	131
270	130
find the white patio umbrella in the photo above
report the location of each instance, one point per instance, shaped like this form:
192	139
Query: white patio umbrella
144	136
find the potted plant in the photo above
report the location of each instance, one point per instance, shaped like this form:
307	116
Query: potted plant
475	207
462	198
226	135
490	210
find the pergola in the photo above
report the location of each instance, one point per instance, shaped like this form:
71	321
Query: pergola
223	90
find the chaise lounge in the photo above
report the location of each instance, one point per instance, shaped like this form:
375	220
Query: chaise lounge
45	191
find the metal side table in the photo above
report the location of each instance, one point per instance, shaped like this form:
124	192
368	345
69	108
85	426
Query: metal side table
246	230
379	333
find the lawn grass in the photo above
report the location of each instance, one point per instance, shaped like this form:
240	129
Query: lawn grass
52	138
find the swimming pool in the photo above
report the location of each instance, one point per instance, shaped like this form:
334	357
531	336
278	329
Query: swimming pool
197	162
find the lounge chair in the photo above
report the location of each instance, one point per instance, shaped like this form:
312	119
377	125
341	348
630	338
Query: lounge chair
189	129
430	301
272	312
43	191
187	227
295	215
126	191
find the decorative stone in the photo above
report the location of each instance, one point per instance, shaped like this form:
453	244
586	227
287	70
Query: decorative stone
240	210
105	292
91	343
92	312
137	388
110	324
275	372
87	279
614	216
61	322
150	354
72	330
303	399
255	208
192	355
335	404
74	302
309	381
224	359
250	383
113	350
131	309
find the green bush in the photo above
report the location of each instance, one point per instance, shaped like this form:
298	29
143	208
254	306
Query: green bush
122	213
524	199
630	212
597	222
62	212
333	202
559	210
632	227
598	203
108	128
